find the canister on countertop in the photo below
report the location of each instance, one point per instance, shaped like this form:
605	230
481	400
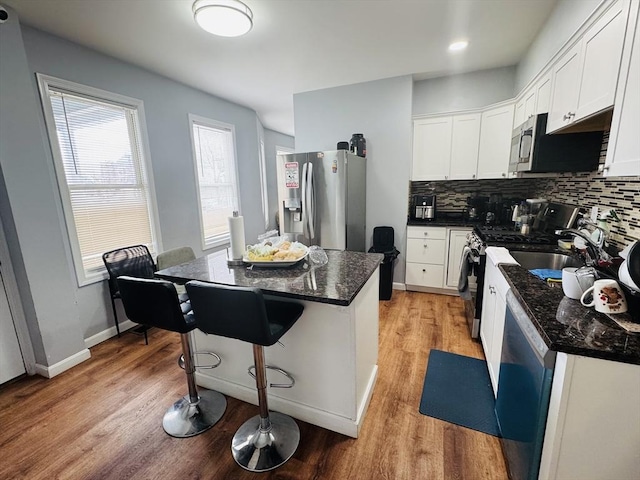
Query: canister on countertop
358	144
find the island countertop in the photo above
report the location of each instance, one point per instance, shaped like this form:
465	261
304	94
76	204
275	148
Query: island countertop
566	325
338	282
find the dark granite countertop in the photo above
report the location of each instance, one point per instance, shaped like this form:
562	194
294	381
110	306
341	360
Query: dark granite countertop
338	282
566	325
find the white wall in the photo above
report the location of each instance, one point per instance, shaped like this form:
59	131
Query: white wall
564	21
464	91
381	110
59	314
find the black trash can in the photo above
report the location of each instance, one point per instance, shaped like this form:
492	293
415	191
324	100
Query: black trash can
383	238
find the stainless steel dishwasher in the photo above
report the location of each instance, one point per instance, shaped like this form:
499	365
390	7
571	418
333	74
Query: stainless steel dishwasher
524	389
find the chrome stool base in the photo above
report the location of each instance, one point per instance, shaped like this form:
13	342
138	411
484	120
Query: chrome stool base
186	419
261	449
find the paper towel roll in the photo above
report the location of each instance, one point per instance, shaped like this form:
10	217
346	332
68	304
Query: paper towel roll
236	232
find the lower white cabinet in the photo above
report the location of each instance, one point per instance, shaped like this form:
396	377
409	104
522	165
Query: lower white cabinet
433	258
593	422
494	308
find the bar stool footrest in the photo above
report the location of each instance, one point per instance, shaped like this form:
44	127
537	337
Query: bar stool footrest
252	374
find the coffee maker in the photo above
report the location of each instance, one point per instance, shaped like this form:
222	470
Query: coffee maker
423	207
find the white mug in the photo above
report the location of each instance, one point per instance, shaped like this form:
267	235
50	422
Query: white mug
575	281
608	297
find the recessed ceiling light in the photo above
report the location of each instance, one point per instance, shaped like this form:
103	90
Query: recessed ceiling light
226	18
457	46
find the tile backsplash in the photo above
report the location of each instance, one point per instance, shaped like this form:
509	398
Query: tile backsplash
585	189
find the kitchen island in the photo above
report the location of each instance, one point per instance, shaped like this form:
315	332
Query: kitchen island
331	351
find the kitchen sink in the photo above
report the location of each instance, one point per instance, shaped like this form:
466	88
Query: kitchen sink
554	261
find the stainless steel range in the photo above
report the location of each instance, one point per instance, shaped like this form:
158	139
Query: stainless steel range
474	262
552	217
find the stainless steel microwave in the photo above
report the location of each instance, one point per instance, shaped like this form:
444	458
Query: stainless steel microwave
535	151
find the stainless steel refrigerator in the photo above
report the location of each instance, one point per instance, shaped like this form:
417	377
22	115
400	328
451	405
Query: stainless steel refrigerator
321	198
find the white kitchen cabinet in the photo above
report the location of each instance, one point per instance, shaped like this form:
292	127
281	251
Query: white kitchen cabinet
543	94
593	421
446	147
623	152
464	146
495	142
457	239
585	77
494	308
525	107
426	253
432	148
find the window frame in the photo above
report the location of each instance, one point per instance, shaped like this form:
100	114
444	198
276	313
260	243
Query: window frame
223	239
87	277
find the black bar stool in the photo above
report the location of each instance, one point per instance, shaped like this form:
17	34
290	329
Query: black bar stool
268	440
155	303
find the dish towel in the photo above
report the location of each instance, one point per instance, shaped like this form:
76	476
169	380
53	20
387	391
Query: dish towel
547	273
466	264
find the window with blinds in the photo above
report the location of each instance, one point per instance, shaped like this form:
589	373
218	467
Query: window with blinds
215	168
101	172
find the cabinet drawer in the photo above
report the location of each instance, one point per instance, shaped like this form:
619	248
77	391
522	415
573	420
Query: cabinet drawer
426	251
424	275
427	232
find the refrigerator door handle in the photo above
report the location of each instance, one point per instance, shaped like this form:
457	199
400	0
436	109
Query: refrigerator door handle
311	202
303	197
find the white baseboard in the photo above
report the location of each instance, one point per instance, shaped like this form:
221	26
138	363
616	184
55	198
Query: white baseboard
63	365
107	334
399	286
321	418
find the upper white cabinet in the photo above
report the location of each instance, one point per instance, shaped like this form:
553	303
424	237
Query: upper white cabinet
495	142
584	78
464	146
543	94
525	107
446	147
623	152
432	148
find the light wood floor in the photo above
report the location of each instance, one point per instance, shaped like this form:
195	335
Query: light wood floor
103	418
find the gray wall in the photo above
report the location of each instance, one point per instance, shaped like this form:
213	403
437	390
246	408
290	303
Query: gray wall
61	315
272	140
564	21
464	91
382	111
31	215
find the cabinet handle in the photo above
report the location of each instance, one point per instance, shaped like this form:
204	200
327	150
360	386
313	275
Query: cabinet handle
572	114
504	174
423	270
426	233
567	116
492	290
473	176
446	177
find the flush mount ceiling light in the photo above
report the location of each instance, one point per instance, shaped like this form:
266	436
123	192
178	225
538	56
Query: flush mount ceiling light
458	46
226	18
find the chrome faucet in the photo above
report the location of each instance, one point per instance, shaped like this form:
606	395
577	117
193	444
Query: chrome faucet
595	249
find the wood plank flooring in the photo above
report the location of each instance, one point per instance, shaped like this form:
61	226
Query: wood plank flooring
103	418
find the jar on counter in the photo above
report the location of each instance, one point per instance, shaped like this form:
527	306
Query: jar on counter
358	145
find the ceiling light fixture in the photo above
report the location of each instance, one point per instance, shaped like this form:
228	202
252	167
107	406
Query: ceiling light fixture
457	46
226	18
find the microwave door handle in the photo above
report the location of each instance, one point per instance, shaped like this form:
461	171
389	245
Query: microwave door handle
525	144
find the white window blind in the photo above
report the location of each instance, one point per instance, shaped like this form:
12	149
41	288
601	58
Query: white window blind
102	177
215	166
